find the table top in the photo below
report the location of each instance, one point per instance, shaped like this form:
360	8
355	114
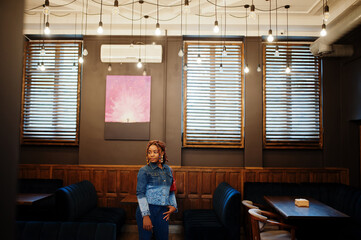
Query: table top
30	198
285	205
130	199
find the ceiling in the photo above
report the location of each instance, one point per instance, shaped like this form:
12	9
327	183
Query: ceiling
69	17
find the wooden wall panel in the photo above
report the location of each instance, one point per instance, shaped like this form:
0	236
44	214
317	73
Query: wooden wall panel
195	185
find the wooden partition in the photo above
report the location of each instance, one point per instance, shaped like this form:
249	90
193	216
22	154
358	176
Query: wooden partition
195	185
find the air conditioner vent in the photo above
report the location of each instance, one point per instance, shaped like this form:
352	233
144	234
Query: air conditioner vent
126	53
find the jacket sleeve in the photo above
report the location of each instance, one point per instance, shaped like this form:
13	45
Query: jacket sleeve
141	190
172	199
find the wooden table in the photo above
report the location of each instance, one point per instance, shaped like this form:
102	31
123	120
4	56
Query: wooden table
30	198
318	221
285	205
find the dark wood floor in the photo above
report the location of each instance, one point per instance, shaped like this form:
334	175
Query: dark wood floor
134	236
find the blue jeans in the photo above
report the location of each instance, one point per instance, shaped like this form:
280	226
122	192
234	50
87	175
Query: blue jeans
160	225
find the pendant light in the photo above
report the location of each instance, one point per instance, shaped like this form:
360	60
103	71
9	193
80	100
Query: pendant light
186	6
270	36
224	52
199	59
100	26
46	9
115	10
259	65
180	52
288	69
221	55
185	67
326	12
246	69
110	43
139	64
157	26
323	31
47	30
216	27
145	44
277	51
252	13
85	51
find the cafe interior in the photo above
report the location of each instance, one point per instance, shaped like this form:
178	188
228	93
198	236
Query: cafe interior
257	101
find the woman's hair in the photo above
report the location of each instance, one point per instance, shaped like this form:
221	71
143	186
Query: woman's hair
161	148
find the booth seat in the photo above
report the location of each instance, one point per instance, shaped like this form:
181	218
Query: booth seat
78	203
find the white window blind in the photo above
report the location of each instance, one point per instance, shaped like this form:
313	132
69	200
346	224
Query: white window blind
50	103
213	96
292	102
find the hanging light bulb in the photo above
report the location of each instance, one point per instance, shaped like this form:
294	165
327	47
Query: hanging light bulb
144	72
216	27
81	59
46	9
42	51
270	36
47	28
100	28
115	10
224	52
185	67
139	64
221	67
109	67
74	67
85	52
199	60
288	69
326	13
157	29
186	6
252	13
259	68
180	53
323	31
246	69
277	52
42	67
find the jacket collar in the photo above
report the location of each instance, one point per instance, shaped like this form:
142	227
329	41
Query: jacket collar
154	166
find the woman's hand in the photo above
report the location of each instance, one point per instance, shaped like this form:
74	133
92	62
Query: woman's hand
169	212
147	223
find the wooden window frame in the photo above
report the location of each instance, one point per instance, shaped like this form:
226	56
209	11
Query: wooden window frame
294	144
210	144
37	141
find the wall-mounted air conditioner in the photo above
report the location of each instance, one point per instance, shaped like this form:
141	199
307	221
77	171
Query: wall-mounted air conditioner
126	53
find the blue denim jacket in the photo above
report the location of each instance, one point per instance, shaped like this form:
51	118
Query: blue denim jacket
153	187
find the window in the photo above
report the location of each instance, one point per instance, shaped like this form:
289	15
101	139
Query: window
213	96
50	101
292	102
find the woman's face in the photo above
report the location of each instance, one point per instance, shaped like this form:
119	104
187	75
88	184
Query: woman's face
154	154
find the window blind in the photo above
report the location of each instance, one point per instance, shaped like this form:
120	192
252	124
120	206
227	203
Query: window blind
50	102
292	102
213	95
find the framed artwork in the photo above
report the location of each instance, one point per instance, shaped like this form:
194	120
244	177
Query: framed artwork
127	107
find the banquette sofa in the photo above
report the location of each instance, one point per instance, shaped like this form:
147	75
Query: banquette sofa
341	197
221	222
78	203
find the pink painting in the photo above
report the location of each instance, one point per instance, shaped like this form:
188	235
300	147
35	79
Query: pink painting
127	99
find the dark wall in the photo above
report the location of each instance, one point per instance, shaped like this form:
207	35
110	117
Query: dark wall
11	46
350	120
166	116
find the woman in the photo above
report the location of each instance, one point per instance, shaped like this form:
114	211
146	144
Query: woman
155	200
